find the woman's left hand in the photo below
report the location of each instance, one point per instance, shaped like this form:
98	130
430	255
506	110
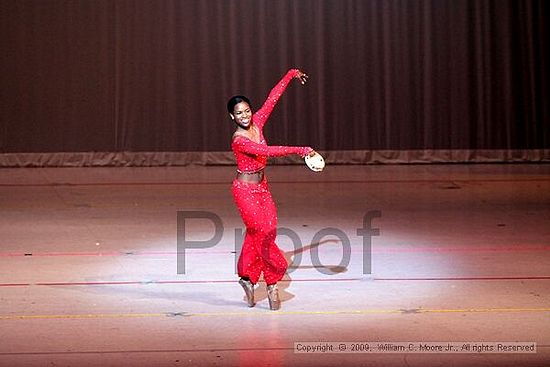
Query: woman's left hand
300	75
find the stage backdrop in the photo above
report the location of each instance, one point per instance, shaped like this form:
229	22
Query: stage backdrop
145	82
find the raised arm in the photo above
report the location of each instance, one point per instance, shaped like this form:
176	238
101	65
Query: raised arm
247	146
261	116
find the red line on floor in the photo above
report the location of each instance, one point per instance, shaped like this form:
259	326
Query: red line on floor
132	282
466	278
182	282
148	282
14	284
517	248
53	254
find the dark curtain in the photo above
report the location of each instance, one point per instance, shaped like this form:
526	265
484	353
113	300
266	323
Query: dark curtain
155	75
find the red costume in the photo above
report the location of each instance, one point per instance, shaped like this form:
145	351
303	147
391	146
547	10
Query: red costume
259	252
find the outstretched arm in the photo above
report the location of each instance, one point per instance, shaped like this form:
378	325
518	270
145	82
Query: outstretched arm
260	117
247	146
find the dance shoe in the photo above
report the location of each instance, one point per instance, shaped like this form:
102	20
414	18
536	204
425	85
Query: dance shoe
249	291
273	296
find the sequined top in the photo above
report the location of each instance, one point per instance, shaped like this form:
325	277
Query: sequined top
252	156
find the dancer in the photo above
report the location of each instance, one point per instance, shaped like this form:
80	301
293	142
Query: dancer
259	252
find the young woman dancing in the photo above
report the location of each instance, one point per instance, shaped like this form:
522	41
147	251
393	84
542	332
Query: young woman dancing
259	252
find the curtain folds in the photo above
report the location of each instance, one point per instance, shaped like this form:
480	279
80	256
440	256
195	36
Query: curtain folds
119	78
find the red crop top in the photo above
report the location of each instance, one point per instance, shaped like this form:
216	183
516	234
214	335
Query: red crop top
252	156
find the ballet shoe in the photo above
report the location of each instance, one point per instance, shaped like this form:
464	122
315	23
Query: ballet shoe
273	297
248	291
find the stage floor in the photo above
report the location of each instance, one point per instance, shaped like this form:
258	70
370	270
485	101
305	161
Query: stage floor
455	254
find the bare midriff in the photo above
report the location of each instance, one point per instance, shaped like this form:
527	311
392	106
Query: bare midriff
252	177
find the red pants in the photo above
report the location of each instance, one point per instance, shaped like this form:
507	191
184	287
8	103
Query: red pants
259	252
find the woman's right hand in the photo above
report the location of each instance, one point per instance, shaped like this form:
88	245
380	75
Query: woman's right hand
301	76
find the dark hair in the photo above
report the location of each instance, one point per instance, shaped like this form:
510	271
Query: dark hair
235	100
